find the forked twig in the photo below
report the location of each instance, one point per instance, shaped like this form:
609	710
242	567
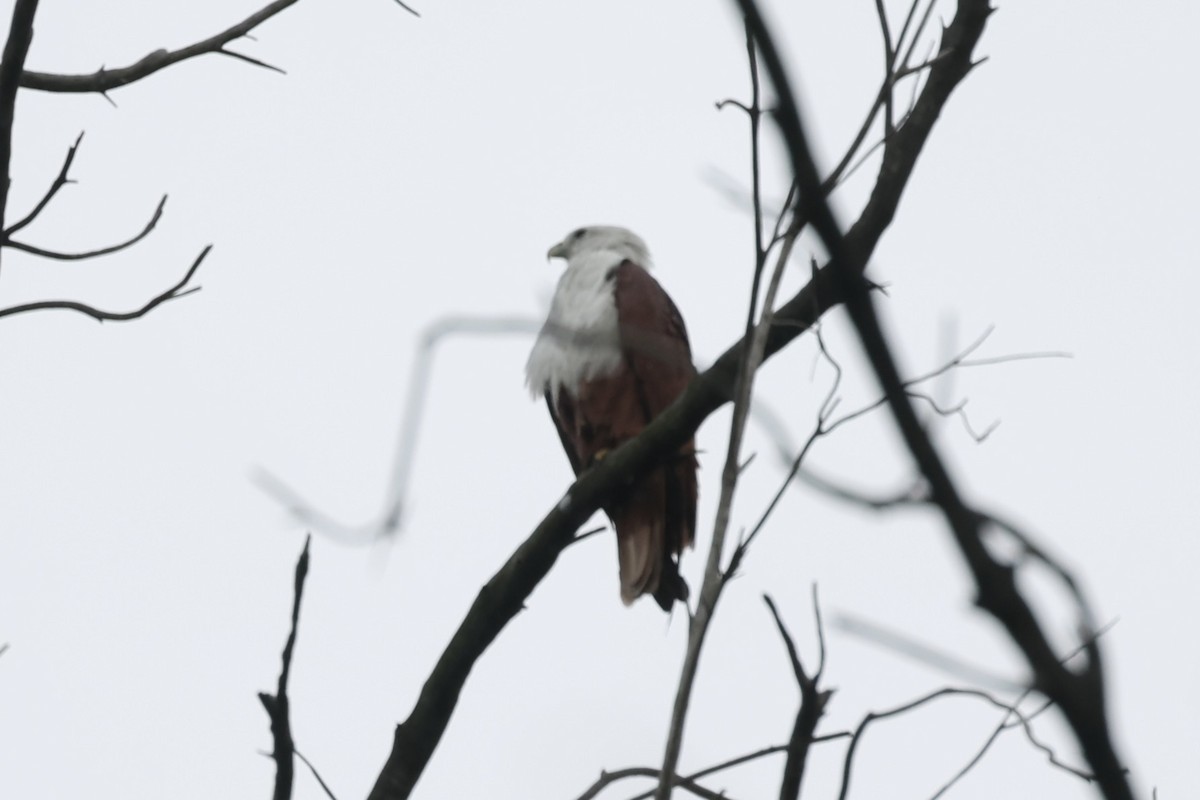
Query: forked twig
61	180
174	293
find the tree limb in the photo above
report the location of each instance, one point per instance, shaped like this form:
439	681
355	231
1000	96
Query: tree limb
102	251
61	180
104	80
949	691
277	704
12	65
174	293
812	703
757	329
1080	694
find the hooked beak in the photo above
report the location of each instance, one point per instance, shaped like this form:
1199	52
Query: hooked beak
558	251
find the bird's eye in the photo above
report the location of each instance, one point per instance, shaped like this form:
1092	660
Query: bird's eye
577	235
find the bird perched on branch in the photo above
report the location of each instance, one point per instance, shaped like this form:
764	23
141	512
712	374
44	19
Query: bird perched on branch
611	356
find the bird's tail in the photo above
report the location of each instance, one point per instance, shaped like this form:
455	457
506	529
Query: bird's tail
649	541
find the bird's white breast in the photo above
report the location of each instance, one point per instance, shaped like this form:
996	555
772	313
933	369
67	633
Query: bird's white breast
580	340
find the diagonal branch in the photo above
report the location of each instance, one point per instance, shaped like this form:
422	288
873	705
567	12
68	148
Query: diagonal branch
61	180
277	704
174	293
103	251
1080	694
104	80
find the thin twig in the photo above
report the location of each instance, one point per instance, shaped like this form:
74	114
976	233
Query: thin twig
315	774
608	778
174	293
103	251
408	8
889	81
714	576
948	691
908	18
737	761
812	702
61	180
1007	722
916	37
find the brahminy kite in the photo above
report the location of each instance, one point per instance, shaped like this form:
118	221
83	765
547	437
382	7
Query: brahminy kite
611	356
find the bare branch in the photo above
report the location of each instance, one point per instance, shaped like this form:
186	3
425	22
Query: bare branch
408	8
277	704
908	18
105	80
756	334
1007	722
1037	552
822	429
608	778
60	181
1080	695
103	251
12	64
917	32
390	517
812	703
324	786
1011	710
174	293
889	81
251	60
957	410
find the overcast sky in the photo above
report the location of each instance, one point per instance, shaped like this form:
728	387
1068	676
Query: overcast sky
407	169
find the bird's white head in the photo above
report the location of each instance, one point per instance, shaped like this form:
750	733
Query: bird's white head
603	238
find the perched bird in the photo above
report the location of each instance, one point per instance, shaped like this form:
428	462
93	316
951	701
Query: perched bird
611	356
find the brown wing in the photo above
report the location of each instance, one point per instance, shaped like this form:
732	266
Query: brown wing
653	337
659	513
564	422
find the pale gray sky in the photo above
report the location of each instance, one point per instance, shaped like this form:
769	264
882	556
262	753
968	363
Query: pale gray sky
405	169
